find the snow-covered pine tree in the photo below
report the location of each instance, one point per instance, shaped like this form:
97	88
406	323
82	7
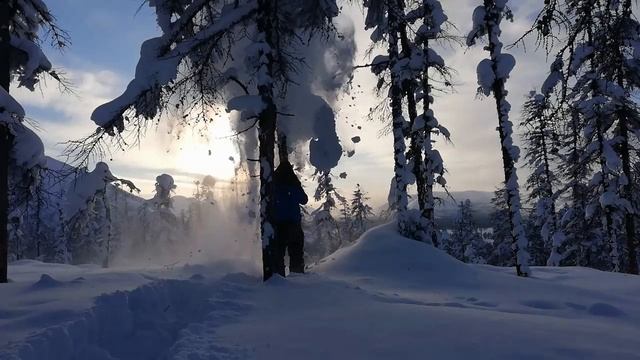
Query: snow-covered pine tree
462	229
431	31
477	251
59	249
21	23
325	226
87	214
465	241
598	64
541	140
635	181
406	69
162	222
360	212
27	169
539	249
346	232
145	221
27	203
206	188
192	65
501	252
583	235
384	17
16	236
590	100
492	77
623	50
165	185
424	63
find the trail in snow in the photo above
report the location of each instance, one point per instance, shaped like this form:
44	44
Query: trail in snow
384	297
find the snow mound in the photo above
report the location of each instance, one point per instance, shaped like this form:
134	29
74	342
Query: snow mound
45	282
383	254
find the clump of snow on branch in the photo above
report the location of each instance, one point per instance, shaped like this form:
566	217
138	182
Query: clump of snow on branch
85	187
10	110
249	105
28	149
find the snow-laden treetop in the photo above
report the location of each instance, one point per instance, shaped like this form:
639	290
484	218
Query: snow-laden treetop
164	187
86	187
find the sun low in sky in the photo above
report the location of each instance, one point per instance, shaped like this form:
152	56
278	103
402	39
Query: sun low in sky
213	152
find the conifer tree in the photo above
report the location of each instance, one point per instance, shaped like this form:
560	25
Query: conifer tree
190	67
360	212
346	234
492	77
21	26
501	247
326	227
384	17
410	30
596	69
465	242
541	140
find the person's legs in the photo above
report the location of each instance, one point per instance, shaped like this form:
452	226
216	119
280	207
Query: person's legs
278	248
296	248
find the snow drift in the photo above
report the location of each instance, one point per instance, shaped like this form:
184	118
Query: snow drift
383	297
383	254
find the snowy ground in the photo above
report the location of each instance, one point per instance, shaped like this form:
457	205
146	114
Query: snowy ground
383	298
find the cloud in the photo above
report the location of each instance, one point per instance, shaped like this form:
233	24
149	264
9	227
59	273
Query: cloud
61	117
90	88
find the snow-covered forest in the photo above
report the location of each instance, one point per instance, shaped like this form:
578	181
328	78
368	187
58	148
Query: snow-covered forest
274	231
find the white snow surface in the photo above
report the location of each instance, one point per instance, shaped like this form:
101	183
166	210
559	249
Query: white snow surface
384	297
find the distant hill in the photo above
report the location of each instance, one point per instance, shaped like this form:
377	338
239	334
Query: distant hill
447	206
481	204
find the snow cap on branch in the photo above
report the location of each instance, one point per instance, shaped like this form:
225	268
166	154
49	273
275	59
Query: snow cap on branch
32	61
10	110
249	105
86	186
28	149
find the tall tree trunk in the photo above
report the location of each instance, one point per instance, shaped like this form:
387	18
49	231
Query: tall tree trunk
508	165
428	212
508	162
399	125
283	148
607	217
605	183
555	251
266	135
7	11
624	149
414	155
107	212
629	219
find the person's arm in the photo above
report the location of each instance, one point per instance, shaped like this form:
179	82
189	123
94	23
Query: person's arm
303	199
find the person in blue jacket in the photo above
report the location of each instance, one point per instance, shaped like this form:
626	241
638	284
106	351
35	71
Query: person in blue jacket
288	195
